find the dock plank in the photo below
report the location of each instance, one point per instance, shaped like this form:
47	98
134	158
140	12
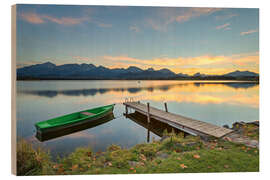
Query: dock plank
192	124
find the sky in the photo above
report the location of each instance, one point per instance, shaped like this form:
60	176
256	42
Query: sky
182	39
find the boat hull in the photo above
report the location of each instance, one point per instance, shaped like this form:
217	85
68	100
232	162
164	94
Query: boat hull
87	124
77	123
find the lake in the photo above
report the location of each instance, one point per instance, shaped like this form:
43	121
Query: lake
216	102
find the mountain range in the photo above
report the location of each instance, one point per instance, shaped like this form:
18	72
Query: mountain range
49	70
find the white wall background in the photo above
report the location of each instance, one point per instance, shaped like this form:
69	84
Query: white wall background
5	70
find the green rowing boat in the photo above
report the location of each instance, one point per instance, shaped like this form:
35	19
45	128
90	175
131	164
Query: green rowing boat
44	136
74	119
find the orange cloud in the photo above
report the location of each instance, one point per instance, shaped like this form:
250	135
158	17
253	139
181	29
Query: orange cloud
23	64
249	32
104	25
205	64
210	71
224	26
39	19
200	60
248	60
80	58
195	12
32	18
65	20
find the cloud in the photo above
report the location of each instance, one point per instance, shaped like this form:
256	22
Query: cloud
226	16
23	64
43	18
249	32
224	26
250	60
179	61
40	19
195	12
32	18
65	20
134	28
80	58
168	16
158	26
206	64
104	25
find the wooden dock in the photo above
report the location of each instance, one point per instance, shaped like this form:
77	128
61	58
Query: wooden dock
185	124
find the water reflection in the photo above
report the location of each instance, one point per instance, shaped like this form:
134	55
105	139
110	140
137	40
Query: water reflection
235	85
87	125
133	90
217	103
155	126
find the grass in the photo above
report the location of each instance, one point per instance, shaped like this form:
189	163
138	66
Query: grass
251	131
31	161
173	155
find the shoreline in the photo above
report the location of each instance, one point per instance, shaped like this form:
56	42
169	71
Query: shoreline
202	80
171	154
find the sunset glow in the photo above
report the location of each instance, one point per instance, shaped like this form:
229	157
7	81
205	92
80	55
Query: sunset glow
183	40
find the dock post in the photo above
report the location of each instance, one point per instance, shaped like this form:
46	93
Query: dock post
148	113
185	134
166	108
148	134
126	110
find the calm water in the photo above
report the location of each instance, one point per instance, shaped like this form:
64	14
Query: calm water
218	103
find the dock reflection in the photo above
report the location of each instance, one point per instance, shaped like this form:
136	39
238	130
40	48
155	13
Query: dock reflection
63	132
154	126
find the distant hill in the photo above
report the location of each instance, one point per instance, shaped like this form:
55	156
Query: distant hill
49	70
242	74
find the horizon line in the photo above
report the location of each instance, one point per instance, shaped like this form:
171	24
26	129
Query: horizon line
129	67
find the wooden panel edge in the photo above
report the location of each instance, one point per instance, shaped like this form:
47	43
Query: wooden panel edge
13	90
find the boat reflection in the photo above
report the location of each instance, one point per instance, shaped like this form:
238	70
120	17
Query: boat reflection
87	125
154	126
